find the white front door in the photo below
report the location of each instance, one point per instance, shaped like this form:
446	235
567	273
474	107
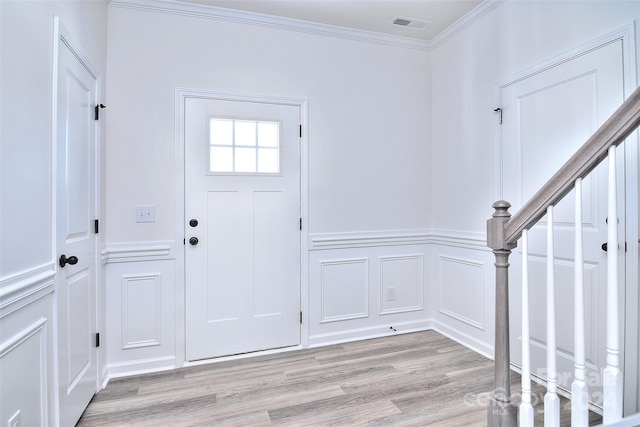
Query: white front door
545	118
242	214
76	238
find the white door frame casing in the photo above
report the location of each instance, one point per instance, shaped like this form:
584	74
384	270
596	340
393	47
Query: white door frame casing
62	36
181	94
627	35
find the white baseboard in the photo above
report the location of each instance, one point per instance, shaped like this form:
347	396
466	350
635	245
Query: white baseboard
320	340
142	366
464	339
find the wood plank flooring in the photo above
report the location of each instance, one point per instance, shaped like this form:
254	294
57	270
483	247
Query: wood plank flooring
417	379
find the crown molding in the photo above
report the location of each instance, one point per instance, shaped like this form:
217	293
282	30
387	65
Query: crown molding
457	27
269	21
301	26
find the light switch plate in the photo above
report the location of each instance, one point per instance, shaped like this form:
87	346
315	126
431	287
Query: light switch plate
145	214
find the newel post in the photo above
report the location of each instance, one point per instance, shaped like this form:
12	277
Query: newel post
501	411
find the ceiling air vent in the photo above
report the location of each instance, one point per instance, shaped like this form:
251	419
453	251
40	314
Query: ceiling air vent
414	24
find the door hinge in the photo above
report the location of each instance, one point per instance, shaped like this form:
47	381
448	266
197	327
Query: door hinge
300	131
96	226
98	107
300	224
499	110
98	340
301	318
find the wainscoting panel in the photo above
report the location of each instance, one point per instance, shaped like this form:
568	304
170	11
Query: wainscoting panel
462	292
401	283
344	289
141	309
26	359
364	285
23	361
461	286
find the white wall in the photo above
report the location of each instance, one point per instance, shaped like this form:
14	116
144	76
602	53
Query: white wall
515	36
368	122
399	175
27	260
401	157
368	164
26	79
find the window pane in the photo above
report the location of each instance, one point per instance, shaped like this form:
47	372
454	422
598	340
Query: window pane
269	160
245	133
221	159
221	132
245	159
268	134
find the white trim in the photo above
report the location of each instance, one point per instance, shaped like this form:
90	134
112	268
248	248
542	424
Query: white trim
308	27
466	340
39	331
359	334
462	239
368	238
125	286
22	288
457	316
149	251
461	24
181	94
141	366
406	309
25	334
138	251
270	21
630	421
365	289
57	29
632	212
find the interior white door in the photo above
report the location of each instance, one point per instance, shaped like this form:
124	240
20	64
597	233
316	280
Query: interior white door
76	239
546	117
242	194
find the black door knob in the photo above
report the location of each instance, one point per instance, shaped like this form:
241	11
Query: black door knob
73	260
193	223
193	241
604	247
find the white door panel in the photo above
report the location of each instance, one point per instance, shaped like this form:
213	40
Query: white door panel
243	275
75	213
546	118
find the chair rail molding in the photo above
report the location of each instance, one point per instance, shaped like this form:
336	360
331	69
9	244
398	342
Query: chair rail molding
138	251
23	288
346	240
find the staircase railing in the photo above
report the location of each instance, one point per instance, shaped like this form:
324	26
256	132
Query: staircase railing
503	233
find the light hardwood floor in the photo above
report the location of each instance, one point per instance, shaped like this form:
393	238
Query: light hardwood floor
417	379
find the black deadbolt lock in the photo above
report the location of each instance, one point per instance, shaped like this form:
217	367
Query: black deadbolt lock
193	223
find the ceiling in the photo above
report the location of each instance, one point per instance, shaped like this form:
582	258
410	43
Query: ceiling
368	15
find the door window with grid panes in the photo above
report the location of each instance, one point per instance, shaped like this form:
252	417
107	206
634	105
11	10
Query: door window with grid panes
244	146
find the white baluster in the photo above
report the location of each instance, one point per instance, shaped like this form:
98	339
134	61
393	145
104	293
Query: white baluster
612	376
526	409
551	399
579	390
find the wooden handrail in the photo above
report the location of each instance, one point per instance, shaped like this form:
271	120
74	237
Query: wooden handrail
504	231
613	132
